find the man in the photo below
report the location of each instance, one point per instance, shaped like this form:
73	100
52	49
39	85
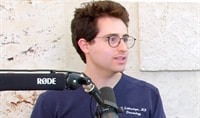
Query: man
100	36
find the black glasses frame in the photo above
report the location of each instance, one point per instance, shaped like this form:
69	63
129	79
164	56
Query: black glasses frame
126	38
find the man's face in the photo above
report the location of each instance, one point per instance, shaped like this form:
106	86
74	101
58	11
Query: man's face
101	55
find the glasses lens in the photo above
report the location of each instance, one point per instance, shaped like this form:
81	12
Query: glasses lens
130	41
114	40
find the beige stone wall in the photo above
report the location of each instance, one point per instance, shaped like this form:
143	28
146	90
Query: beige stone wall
35	34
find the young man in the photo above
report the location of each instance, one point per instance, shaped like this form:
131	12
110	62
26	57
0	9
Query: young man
100	36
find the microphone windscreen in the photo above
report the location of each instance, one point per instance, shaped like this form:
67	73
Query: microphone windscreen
108	94
109	109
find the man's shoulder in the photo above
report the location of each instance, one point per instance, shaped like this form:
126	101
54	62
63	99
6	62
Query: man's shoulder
137	83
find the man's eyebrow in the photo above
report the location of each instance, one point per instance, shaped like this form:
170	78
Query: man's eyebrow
125	35
116	34
111	34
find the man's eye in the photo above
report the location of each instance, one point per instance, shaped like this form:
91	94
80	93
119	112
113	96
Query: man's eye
125	39
113	38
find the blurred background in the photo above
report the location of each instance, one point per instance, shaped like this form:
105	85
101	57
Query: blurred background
35	34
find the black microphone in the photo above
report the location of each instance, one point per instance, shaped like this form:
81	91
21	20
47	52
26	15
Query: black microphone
105	97
32	81
109	108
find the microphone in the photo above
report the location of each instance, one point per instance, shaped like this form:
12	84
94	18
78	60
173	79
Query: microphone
109	108
105	97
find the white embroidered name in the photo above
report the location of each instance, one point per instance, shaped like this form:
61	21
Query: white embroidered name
134	111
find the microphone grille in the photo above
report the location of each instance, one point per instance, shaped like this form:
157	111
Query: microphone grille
107	93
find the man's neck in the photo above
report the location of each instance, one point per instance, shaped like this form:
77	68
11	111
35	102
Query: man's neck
104	78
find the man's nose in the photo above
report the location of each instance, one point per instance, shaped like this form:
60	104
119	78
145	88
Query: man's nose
122	45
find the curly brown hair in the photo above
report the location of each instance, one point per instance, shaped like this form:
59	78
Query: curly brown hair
84	23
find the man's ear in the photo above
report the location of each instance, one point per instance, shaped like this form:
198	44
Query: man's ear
83	44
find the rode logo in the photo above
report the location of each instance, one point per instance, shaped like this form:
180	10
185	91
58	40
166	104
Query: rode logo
46	81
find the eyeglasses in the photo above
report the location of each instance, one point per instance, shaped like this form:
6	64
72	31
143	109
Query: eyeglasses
114	40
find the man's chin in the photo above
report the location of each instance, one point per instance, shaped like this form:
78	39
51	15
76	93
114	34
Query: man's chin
119	70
